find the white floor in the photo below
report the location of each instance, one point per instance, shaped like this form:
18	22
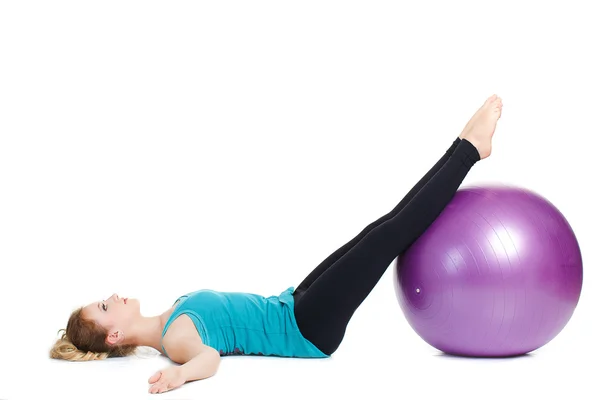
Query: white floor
381	358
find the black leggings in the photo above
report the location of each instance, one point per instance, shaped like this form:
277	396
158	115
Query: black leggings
328	297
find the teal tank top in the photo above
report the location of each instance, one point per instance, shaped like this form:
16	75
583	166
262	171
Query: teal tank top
237	323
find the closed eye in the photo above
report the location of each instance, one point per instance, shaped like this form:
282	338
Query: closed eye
104	307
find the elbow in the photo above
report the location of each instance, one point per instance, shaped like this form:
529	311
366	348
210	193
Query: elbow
215	361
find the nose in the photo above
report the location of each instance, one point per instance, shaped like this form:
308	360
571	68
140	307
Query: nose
115	297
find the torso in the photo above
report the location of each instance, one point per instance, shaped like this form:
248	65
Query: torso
181	331
233	323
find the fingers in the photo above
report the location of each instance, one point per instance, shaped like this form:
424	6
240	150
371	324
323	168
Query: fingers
156	389
155	377
160	387
164	380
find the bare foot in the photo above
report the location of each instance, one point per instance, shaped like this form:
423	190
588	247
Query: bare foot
481	127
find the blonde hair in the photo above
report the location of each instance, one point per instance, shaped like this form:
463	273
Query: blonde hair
85	340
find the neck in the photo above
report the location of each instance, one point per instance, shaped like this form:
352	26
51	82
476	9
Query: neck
148	332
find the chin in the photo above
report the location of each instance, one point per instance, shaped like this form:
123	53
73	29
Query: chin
133	303
134	307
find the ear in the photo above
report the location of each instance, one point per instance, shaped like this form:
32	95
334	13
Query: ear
115	337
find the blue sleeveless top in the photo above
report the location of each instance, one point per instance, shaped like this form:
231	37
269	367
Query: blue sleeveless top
245	323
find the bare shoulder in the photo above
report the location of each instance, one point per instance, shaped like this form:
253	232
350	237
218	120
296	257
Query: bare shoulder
182	341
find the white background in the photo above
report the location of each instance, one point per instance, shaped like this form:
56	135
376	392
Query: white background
154	148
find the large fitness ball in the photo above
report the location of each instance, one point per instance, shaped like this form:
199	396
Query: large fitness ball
498	273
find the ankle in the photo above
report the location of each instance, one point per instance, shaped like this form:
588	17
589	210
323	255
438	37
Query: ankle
471	150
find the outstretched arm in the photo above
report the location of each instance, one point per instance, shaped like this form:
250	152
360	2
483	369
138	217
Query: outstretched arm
197	360
204	365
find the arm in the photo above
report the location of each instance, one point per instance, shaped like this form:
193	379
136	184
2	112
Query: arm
203	365
196	360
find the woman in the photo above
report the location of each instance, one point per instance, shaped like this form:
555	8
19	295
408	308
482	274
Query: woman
309	321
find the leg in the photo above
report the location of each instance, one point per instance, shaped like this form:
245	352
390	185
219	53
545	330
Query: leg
325	308
329	303
305	284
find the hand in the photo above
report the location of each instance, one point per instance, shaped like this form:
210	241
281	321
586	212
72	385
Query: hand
166	379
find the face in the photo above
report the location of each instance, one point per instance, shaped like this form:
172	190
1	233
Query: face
115	314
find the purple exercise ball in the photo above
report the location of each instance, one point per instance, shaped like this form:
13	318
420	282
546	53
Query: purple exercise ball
498	273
